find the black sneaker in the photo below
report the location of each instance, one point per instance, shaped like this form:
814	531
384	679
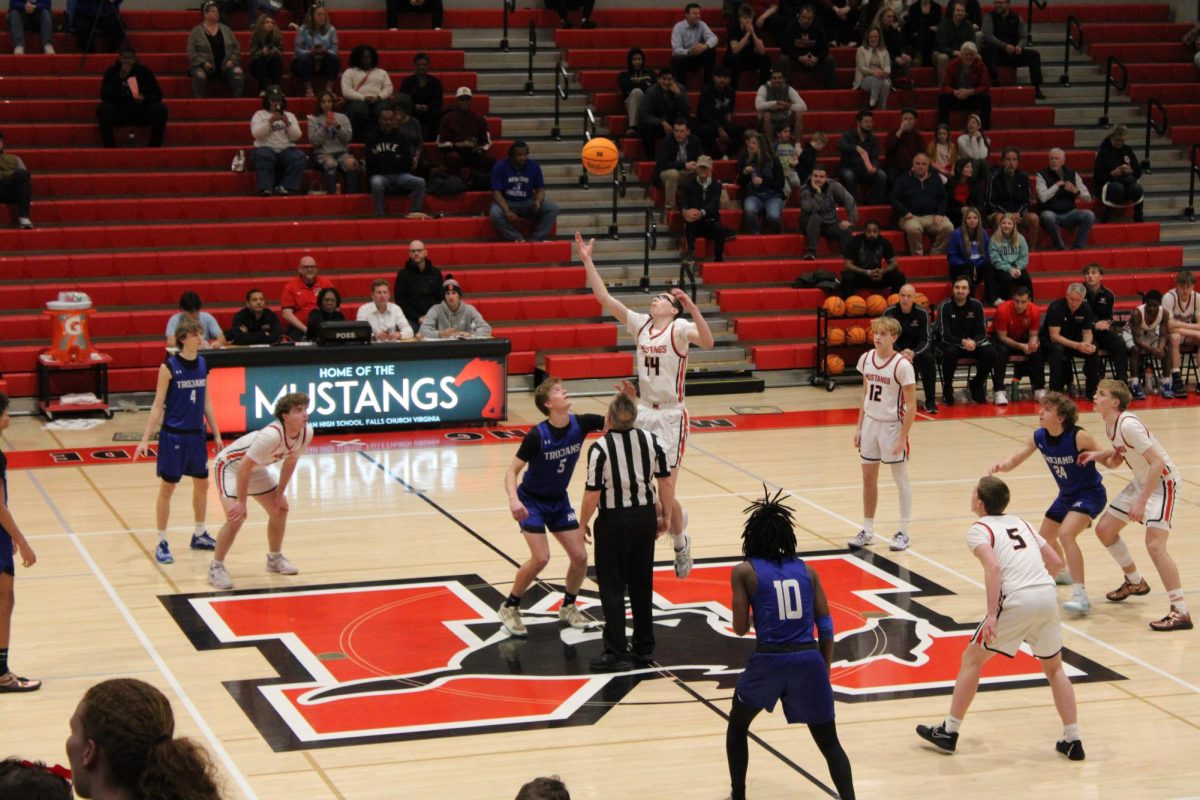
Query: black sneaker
1072	750
930	408
1037	93
939	737
588	25
611	662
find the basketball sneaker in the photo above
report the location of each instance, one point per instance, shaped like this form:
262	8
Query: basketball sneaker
572	616
939	737
1126	588
218	576
162	553
1000	398
202	541
1072	750
1078	603
510	618
1174	621
279	563
1137	392
683	558
862	539
1166	392
899	542
1064	578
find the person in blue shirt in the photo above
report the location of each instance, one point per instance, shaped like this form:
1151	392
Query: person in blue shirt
519	192
12	542
189	308
784	597
549	451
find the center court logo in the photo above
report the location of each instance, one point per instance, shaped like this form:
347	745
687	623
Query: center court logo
422	658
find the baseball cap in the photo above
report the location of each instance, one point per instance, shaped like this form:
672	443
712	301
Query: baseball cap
704	161
463	91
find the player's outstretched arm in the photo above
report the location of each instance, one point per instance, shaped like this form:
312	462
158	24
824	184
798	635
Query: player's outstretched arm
702	335
1016	459
1096	456
596	283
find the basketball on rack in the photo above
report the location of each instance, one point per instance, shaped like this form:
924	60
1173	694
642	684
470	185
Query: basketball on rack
836	337
855	306
834	365
893	299
600	156
856	334
876	305
921	300
834	306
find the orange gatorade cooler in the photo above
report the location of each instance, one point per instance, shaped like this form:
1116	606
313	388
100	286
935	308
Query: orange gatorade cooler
69	341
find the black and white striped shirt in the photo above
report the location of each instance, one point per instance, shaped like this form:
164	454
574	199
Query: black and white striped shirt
622	466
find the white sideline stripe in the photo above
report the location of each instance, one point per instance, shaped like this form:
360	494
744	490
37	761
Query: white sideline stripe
213	742
1112	648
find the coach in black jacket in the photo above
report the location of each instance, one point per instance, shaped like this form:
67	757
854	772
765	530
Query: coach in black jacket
962	333
700	203
120	106
418	285
915	342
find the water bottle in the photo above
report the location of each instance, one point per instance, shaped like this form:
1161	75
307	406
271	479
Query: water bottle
239	161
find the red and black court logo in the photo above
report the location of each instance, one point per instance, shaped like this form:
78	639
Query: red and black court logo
410	659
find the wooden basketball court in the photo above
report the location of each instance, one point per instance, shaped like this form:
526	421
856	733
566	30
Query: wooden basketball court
380	671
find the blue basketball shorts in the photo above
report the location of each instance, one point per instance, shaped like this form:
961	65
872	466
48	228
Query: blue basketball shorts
556	515
182	454
799	679
1090	502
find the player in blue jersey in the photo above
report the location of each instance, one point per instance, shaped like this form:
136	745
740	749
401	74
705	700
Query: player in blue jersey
548	454
182	403
12	542
785	598
1081	496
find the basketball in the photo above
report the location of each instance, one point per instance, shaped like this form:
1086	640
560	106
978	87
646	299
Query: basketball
600	156
893	299
876	305
856	335
922	300
834	365
836	337
855	306
834	306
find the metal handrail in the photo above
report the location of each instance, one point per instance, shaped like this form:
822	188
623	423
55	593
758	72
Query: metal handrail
1073	25
562	91
533	48
509	7
1159	128
687	276
1109	83
1041	4
1190	211
589	130
618	187
651	242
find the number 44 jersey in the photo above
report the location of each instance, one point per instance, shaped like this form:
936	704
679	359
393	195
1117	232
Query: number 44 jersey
1018	548
661	359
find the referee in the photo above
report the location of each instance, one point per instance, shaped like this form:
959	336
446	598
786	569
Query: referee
621	468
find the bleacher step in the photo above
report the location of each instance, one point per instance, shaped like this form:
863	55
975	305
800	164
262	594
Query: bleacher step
741	382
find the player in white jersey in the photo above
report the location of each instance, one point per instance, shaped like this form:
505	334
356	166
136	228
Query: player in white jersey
1150	498
1022	606
1149	325
1184	326
244	469
660	358
885	416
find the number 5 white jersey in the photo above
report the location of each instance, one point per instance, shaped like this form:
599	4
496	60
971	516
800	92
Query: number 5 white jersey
1018	548
661	359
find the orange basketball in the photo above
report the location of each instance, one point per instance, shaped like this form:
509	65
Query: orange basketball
834	365
836	336
855	306
893	299
876	305
834	306
856	335
922	300
600	156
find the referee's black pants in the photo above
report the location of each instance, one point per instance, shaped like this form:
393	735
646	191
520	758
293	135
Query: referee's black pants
625	559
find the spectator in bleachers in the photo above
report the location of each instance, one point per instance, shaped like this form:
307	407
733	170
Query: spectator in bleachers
675	161
426	93
418	285
365	88
964	191
255	324
901	146
841	20
1008	193
872	10
693	45
919	200
968	252
634	82
966	87
943	153
1105	334
1058	189
1068	334
15	186
278	163
433	8
962	333
720	135
806	160
1014	330
873	69
266	53
1117	176
789	156
388	323
1006	44
859	168
189	308
916	342
700	206
452	318
974	14
1149	327
29	14
779	106
564	7
316	53
806	49
463	137
761	177
920	29
899	52
329	132
130	95
410	130
300	297
329	309
1009	254
1191	40
819	201
953	32
974	144
663	103
869	262
1184	326
213	52
745	49
98	17
519	192
390	164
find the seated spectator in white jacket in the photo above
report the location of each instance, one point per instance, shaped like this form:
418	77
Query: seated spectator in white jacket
366	89
387	320
452	318
779	106
278	163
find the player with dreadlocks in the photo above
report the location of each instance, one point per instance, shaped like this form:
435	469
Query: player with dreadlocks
788	663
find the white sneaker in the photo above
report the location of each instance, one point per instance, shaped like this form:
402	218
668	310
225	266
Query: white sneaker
683	558
1000	398
1064	578
510	618
281	565
25	223
18	51
48	49
862	539
899	542
218	576
1078	603
572	616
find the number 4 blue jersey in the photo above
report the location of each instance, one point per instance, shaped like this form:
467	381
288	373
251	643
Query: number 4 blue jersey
183	411
782	606
1061	456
